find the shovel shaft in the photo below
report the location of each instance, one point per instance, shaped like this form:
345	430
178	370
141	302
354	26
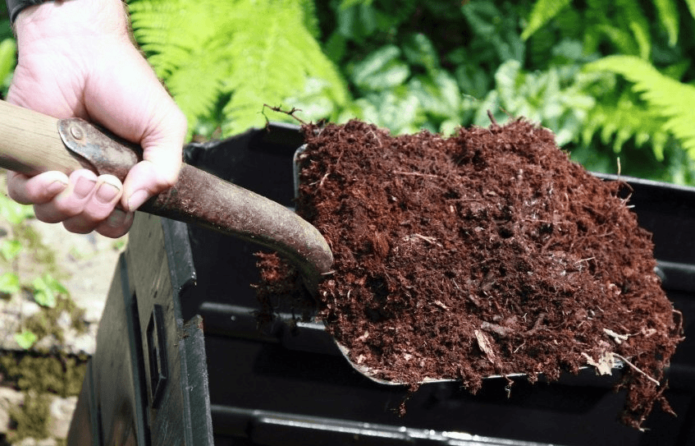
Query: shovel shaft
32	143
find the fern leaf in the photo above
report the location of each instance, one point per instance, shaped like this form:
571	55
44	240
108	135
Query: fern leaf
622	120
622	39
668	16
637	22
256	51
671	99
272	68
543	12
691	7
311	22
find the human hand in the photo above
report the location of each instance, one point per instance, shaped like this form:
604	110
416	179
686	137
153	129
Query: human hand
76	60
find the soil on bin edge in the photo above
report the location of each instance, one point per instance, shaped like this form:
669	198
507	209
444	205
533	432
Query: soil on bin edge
486	253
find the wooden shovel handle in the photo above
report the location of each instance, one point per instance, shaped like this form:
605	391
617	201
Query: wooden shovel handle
32	143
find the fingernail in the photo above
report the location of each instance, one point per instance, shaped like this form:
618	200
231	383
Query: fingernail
116	219
137	199
83	187
107	192
56	187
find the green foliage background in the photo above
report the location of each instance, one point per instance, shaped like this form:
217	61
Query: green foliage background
611	79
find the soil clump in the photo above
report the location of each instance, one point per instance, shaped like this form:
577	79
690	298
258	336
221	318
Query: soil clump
486	253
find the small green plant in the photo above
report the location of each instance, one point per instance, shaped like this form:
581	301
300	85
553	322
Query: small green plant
9	283
25	339
46	290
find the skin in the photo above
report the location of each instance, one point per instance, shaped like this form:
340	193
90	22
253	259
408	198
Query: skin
76	59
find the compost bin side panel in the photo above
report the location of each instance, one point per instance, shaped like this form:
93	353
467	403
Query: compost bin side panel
172	391
112	390
85	426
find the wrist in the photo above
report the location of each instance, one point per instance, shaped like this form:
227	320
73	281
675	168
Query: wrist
71	19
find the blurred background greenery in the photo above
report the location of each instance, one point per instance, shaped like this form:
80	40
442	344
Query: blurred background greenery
611	79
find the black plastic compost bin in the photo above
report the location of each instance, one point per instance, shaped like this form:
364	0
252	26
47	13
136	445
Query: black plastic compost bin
180	360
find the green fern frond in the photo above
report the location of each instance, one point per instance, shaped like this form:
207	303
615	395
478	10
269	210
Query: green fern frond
311	21
672	100
631	13
543	12
622	120
256	51
623	22
272	68
669	19
691	7
622	39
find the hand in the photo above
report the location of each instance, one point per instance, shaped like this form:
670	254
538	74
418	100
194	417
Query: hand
76	60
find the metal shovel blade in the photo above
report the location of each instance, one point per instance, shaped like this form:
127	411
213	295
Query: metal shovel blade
369	372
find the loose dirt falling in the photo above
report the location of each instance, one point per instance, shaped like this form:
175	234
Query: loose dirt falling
487	253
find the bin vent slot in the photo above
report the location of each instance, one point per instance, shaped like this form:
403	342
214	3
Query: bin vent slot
156	347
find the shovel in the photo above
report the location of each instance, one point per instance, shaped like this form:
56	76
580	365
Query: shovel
32	143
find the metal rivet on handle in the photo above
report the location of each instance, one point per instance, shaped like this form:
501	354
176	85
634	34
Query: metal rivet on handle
76	132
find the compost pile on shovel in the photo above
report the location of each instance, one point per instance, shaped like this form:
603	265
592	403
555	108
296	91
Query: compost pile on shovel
487	253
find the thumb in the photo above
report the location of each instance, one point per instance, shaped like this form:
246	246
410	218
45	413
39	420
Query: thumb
162	159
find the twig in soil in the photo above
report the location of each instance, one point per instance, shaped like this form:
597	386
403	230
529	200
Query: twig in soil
507	113
492	118
371	132
585	260
290	113
440	304
618	338
501	331
430	240
637	369
485	346
537	324
323	178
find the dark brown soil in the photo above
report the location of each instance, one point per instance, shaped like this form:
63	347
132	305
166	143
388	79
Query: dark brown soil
487	253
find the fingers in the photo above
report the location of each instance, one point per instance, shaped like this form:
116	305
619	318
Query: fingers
85	203
35	190
116	225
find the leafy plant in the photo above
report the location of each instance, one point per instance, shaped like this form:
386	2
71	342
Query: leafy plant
543	11
8	58
558	98
9	283
623	23
14	212
46	290
25	339
10	249
223	60
668	99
